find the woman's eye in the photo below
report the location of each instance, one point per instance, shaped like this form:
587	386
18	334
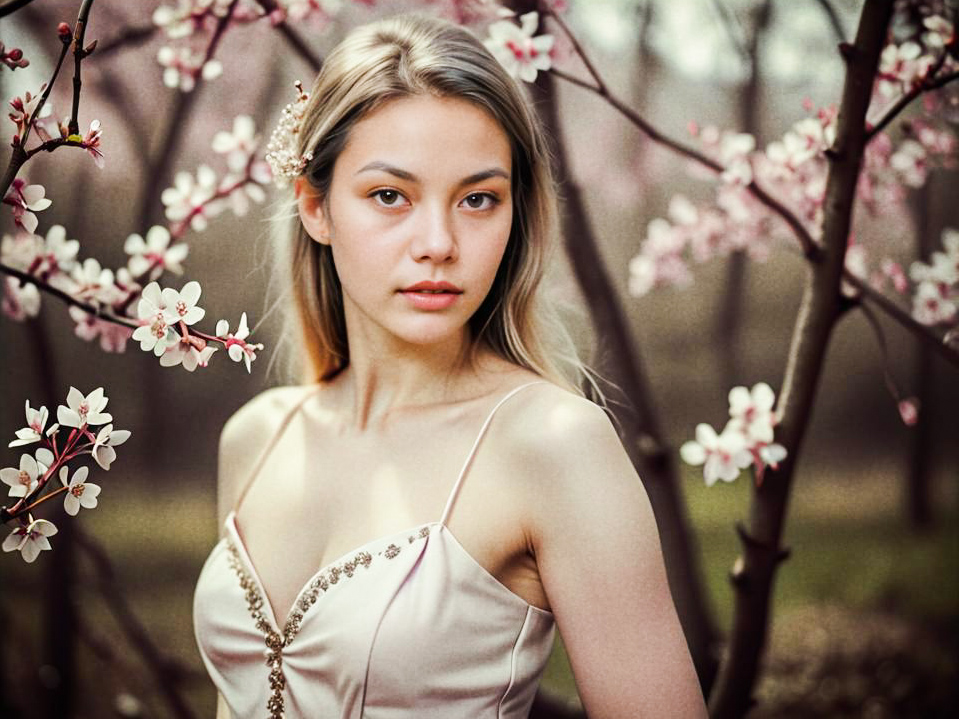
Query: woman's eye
480	201
387	198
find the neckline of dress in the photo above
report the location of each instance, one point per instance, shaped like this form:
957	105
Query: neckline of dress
231	525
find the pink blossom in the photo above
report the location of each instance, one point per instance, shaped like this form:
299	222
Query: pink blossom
92	143
238	145
113	337
59	253
33	432
150	257
181	306
931	304
752	412
30	539
186	354
192	200
19	301
514	46
24	107
155	333
84	410
25	200
79	493
723	456
24	480
95	283
103	446
236	345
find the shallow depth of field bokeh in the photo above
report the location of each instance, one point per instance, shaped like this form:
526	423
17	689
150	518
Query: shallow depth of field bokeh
866	614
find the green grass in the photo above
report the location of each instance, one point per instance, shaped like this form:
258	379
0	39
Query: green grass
850	548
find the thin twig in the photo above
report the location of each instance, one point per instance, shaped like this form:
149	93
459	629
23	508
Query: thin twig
810	247
833	18
906	99
97	312
883	349
296	42
79	53
923	332
130	36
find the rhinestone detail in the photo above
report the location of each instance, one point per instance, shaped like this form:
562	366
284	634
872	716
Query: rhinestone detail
275	642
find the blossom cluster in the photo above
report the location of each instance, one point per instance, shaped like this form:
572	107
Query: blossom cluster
517	50
794	170
36	470
747	438
26	117
189	204
12	58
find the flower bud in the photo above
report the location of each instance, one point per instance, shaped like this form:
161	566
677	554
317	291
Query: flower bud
64	31
15	54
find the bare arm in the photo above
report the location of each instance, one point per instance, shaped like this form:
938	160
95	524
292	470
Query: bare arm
599	558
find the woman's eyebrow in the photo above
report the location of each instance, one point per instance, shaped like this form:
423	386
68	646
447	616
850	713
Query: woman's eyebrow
379	165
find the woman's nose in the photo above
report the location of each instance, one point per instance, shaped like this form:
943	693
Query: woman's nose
434	237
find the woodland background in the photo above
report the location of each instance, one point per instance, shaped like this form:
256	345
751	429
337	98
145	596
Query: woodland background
866	610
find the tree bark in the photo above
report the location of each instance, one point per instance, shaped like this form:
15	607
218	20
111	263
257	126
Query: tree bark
754	572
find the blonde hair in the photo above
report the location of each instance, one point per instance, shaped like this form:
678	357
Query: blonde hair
417	55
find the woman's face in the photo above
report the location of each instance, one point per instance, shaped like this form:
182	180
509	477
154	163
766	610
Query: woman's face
420	200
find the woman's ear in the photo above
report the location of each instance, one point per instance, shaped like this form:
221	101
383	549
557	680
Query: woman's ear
312	212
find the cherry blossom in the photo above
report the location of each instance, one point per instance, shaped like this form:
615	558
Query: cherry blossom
190	200
103	446
723	455
186	354
24	480
92	143
113	337
84	410
752	411
931	304
24	107
323	10
181	306
514	46
94	283
909	411
79	493
236	346
58	254
25	200
238	145
19	301
734	155
901	67
182	66
150	257
30	539
939	31
33	432
155	334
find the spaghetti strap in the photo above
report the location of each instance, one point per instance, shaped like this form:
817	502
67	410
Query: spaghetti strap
261	460
472	452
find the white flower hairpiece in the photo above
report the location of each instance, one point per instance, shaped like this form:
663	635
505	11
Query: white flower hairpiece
281	154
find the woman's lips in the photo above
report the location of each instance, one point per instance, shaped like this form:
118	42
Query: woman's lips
431	300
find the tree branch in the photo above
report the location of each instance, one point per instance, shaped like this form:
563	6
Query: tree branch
833	18
926	334
810	248
295	41
130	36
906	99
79	53
69	299
8	8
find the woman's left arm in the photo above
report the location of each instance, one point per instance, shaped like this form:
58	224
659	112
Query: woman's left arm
598	554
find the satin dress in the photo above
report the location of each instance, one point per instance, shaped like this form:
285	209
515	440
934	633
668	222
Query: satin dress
405	626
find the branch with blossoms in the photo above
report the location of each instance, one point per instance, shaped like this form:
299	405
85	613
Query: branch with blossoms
747	211
28	483
102	302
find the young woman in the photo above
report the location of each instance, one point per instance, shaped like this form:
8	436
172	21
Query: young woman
437	422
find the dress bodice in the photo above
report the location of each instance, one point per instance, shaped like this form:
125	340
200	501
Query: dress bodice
407	625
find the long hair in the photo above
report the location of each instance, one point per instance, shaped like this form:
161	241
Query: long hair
413	56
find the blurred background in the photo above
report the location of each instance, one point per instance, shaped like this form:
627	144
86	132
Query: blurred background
866	608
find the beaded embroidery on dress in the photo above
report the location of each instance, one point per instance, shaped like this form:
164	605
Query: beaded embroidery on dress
407	625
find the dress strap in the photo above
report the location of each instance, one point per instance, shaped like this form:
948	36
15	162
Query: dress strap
264	455
472	452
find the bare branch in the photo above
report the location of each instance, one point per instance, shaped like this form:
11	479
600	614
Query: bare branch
79	53
926	334
296	42
8	8
129	37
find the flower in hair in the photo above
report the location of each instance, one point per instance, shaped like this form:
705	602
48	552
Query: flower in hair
281	153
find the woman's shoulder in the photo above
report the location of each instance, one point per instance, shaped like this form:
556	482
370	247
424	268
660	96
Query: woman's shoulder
247	435
553	428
